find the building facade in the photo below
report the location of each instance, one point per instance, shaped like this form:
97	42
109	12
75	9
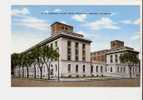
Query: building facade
112	64
75	59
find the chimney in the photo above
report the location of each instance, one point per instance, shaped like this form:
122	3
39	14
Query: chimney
117	44
60	27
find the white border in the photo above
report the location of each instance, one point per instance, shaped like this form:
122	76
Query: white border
97	93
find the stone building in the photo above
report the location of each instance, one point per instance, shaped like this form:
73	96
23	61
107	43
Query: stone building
75	59
111	60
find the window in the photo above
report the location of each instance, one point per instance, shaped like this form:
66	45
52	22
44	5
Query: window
52	72
83	68
51	45
117	69
106	69
69	57
111	58
116	58
69	67
76	51
76	69
91	70
69	43
124	69
83	52
96	68
121	69
69	50
101	69
111	69
56	67
56	44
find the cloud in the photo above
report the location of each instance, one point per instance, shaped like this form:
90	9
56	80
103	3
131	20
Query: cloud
136	36
46	11
81	32
113	14
103	23
20	12
57	10
63	22
80	18
136	22
22	41
34	23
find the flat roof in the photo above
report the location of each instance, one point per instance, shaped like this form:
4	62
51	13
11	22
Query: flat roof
61	24
52	38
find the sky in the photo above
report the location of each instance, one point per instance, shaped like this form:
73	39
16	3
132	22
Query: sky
101	24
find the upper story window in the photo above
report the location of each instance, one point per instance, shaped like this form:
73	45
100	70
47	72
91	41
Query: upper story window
116	58
76	45
76	51
111	58
83	52
83	46
69	43
56	44
68	50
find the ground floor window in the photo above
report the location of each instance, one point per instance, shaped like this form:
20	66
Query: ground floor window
69	67
76	69
111	69
52	72
117	69
101	69
96	68
91	70
56	67
83	68
106	69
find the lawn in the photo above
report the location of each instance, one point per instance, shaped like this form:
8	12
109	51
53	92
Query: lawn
84	83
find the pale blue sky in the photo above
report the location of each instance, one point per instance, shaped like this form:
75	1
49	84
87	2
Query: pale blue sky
30	26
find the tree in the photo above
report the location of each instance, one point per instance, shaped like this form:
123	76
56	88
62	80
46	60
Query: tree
27	61
130	59
33	56
38	60
47	55
16	60
14	63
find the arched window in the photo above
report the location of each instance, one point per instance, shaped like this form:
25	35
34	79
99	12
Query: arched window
96	68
